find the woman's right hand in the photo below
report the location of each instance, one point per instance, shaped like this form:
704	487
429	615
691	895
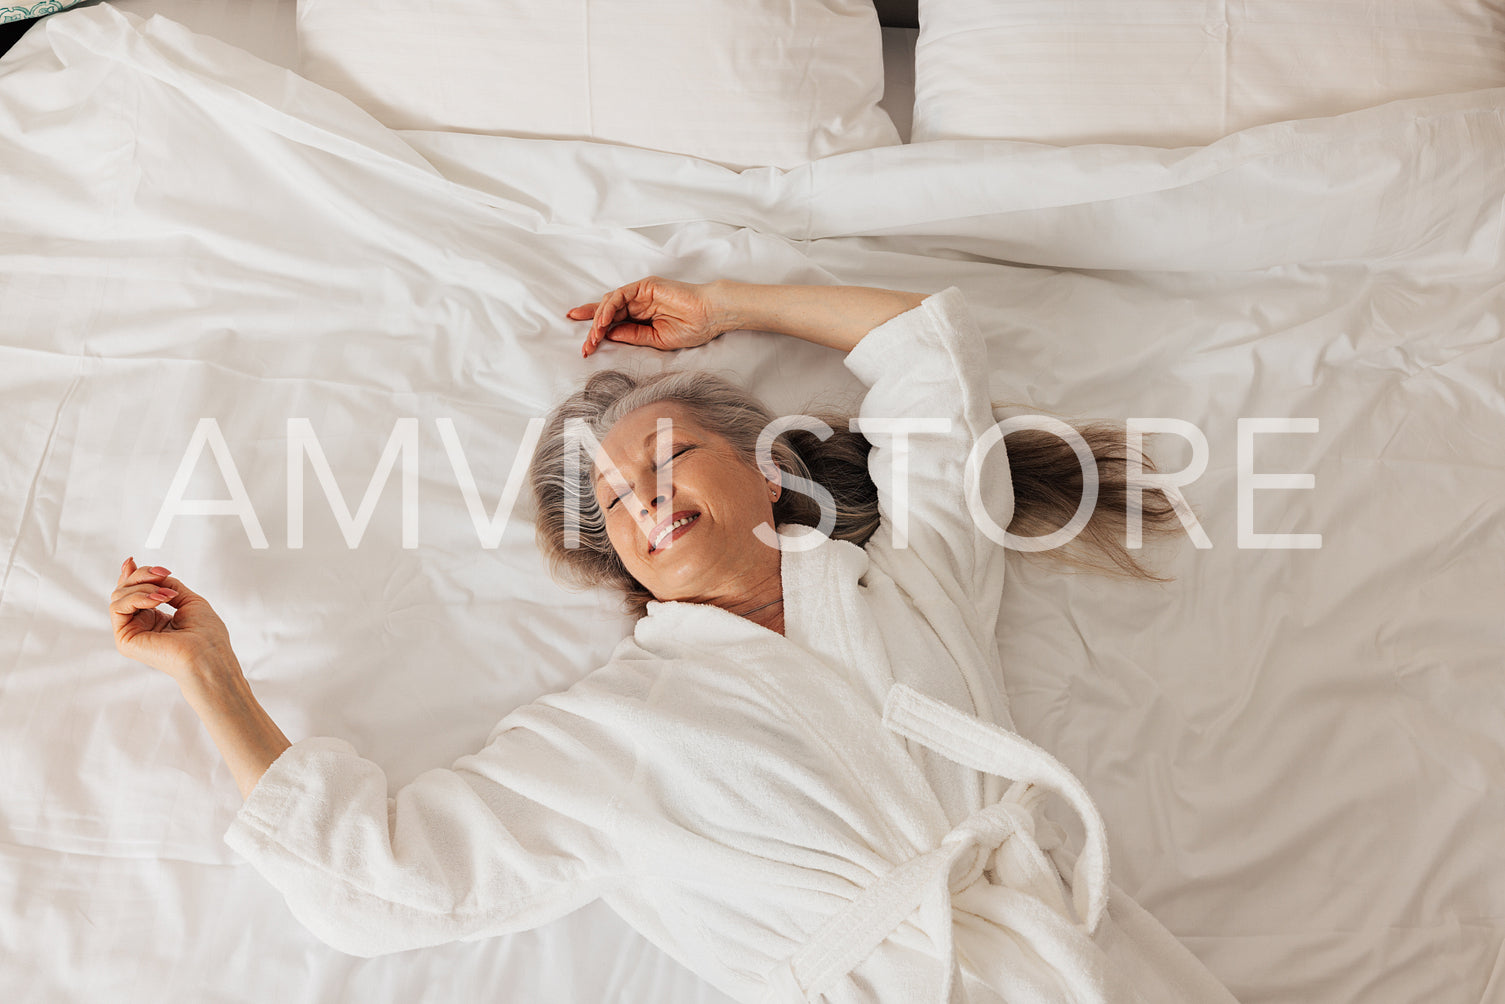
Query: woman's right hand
679	315
193	638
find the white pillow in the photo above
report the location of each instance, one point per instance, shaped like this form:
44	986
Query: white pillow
1172	73
740	82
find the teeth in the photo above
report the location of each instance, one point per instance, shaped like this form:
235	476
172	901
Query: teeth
670	529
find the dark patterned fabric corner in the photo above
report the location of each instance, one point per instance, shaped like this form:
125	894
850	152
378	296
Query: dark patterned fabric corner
11	33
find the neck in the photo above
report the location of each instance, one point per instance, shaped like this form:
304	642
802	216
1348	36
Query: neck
769	615
759	597
763	606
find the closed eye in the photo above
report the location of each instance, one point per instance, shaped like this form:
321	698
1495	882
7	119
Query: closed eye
614	501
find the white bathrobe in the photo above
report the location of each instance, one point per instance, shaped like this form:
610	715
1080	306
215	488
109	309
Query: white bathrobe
842	812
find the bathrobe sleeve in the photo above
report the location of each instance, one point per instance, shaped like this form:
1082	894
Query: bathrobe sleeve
507	839
930	365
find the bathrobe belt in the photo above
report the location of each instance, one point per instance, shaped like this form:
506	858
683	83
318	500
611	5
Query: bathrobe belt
1027	897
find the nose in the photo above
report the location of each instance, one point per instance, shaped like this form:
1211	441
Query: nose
659	500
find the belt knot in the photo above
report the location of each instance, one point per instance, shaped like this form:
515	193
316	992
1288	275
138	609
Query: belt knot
985	832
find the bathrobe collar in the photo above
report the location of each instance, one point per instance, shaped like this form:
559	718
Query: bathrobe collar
815	583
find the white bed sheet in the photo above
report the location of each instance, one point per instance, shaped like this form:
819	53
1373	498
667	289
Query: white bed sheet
1299	754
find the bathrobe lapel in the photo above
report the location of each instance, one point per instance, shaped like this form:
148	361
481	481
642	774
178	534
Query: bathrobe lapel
825	619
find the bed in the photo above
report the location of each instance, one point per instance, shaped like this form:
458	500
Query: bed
220	257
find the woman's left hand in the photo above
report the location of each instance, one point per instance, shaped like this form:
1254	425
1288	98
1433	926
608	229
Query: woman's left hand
173	643
664	314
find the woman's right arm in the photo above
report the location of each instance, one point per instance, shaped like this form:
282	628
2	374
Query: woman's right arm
243	732
837	317
193	647
508	839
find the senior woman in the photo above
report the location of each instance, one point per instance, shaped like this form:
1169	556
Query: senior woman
798	775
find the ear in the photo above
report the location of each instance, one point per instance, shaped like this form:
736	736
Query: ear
773	478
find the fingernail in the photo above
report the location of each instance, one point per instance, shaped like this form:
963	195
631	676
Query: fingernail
167	592
159	570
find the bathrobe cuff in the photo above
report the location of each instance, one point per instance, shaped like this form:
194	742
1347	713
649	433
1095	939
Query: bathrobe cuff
927	329
264	816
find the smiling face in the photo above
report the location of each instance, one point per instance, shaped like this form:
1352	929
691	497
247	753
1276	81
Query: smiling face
716	555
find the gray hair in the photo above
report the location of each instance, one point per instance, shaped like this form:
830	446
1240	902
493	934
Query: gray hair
1044	469
838	464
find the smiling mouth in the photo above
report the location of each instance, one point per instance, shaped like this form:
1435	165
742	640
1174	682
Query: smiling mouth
673	531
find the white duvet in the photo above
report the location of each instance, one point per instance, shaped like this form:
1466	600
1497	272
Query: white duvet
1298	752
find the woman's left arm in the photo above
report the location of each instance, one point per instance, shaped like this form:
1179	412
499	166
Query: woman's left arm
837	317
945	487
925	364
192	646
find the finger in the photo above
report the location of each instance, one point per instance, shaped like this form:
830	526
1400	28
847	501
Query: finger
597	336
130	574
184	593
586	312
613	309
125	606
621	331
631	334
605	311
147	573
140	579
143	622
142	589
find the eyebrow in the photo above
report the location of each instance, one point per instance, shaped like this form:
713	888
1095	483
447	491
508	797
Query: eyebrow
652	435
